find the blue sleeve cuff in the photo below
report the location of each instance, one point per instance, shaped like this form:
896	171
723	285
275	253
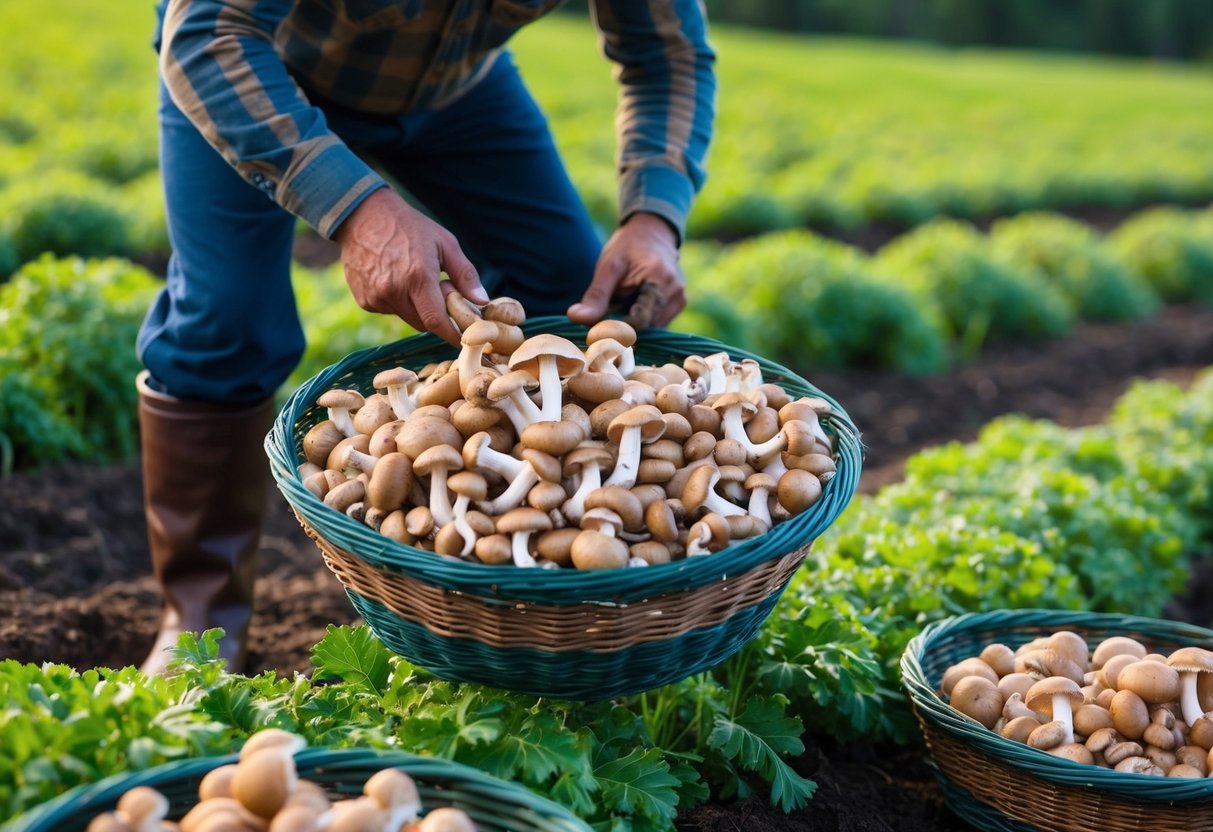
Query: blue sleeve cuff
329	188
657	189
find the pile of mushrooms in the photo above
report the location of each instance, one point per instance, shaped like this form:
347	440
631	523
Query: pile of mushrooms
262	792
1119	706
538	452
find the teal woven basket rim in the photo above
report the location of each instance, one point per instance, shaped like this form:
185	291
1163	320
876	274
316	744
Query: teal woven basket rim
463	785
1143	788
558	587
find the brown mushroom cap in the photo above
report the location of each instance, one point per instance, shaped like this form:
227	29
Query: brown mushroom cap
621	501
341	399
971	666
652	552
390	481
555	438
1041	695
504	310
1129	714
977	697
594	550
422	432
998	656
557	545
143	807
644	416
569	358
614	329
468	484
217	782
1071	645
265	779
1153	681
523	519
1114	646
797	490
319	442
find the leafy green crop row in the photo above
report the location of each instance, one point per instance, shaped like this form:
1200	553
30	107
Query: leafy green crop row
940	292
1101	518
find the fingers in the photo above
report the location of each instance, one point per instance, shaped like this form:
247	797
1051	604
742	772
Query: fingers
429	301
461	271
593	305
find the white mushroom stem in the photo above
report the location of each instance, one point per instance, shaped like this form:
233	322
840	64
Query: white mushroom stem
749	373
513	495
758	506
775	467
627	462
549	390
340	417
401	402
637	562
518	549
468	364
714	502
1189	702
698	545
1064	713
718	373
440	499
509	467
591	479
459	515
734	428
514	413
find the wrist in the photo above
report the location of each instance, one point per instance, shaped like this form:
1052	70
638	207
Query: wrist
654	224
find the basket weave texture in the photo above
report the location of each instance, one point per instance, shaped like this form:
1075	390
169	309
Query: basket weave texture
560	633
493	805
998	784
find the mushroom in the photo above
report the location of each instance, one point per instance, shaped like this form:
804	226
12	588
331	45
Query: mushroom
399	384
710	533
340	404
1056	696
436	463
108	822
319	442
734	410
548	358
1129	714
700	492
977	697
446	819
476	339
509	392
598	545
1153	681
1190	662
142	808
375	412
760	486
630	430
584	461
396	794
217	782
359	814
469	486
536	466
265	779
1115	646
998	656
390	481
504	310
478	453
520	524
797	490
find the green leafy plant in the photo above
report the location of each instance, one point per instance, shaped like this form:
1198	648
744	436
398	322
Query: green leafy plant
978	294
1076	260
67	359
63	215
1172	249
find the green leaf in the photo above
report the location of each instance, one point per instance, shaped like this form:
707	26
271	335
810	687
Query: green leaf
756	740
639	783
354	655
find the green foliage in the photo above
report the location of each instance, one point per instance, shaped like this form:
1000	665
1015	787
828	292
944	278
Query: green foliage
1172	249
1075	260
67	359
9	258
1029	515
63	215
978	294
810	301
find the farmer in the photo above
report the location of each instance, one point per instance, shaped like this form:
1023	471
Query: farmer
277	109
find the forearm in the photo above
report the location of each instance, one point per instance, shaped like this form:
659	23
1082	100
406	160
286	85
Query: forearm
218	62
667	102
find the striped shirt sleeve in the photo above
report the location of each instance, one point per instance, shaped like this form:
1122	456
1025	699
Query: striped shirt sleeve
666	71
218	61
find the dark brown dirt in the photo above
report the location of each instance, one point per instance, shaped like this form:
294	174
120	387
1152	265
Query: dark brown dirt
75	583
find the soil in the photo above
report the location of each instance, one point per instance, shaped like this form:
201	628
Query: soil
75	580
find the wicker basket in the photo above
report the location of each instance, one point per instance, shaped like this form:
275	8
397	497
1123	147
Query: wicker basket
561	633
998	784
494	805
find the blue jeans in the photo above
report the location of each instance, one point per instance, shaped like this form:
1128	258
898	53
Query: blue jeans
225	328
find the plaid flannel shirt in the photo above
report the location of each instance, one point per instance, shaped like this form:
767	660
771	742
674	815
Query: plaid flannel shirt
242	71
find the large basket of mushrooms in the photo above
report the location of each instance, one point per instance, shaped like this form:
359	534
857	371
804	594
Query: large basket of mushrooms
1071	721
560	511
275	784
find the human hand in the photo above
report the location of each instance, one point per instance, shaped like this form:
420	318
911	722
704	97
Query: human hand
393	254
643	249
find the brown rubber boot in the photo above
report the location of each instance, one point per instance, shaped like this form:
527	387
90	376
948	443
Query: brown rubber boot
204	482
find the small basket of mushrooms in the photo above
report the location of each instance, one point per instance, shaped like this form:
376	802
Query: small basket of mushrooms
563	511
1070	721
276	784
